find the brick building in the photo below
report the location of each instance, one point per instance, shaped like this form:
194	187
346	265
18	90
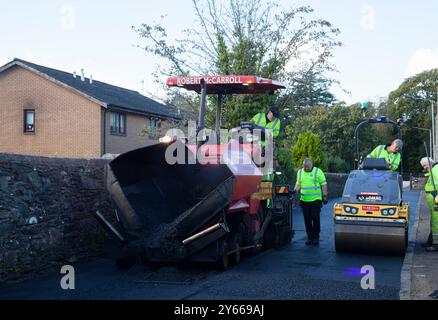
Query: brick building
48	112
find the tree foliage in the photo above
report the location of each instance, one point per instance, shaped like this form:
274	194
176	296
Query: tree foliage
251	37
286	166
335	127
308	146
337	165
411	101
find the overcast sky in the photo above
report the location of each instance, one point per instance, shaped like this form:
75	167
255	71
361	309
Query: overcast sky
384	41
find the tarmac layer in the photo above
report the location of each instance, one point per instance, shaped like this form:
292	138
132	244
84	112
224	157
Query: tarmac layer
296	271
423	266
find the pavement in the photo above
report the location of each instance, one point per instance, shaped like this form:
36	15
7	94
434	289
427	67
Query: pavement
420	269
294	272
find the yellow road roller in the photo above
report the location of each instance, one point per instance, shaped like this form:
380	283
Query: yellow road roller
372	217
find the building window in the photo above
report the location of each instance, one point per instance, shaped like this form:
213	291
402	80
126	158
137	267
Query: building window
154	123
29	120
118	123
154	128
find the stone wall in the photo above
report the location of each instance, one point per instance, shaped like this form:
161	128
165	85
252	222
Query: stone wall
47	211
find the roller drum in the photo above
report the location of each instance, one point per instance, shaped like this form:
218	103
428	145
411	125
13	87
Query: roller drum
366	238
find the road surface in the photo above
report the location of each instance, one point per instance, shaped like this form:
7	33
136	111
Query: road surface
293	272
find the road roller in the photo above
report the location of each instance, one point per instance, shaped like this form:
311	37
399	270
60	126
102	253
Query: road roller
372	216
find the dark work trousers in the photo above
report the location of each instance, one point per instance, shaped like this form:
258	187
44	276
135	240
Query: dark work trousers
312	211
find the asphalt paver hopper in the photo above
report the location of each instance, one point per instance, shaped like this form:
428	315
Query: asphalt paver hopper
192	210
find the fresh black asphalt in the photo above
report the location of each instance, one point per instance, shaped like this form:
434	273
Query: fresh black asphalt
293	272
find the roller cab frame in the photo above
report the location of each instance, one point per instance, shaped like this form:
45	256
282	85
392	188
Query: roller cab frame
372	216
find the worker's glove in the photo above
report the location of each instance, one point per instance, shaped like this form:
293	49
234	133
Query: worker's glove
325	199
434	194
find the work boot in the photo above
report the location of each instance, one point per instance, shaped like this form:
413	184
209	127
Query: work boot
428	243
308	242
432	248
315	242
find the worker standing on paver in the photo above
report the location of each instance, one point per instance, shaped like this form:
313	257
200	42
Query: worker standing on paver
390	152
269	120
432	201
312	185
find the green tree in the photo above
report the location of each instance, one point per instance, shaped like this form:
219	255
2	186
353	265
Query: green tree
337	165
411	101
250	37
308	89
286	165
308	146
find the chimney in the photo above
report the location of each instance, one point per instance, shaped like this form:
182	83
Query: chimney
91	79
82	75
74	74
